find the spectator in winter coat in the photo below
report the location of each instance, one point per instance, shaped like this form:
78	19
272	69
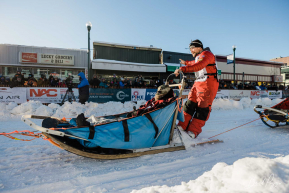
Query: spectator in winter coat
262	87
103	84
121	84
31	82
42	81
18	74
281	87
94	81
240	86
7	81
130	84
83	88
17	83
50	79
55	82
2	80
125	82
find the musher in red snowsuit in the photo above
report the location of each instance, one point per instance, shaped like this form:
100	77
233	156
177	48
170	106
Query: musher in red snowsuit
201	96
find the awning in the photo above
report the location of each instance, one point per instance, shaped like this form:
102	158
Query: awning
102	64
284	70
171	67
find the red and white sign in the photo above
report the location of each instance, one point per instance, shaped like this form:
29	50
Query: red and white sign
28	57
255	94
49	95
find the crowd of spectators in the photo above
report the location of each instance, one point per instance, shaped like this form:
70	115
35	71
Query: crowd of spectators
122	82
119	82
19	81
250	86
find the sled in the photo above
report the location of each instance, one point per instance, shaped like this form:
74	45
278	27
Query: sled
149	133
276	116
121	137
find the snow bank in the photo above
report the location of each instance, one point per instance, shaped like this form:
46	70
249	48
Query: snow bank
110	108
245	175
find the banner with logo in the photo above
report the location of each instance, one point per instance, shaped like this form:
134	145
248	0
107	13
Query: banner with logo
230	59
222	94
17	95
150	93
138	94
275	94
50	94
100	95
27	57
255	94
238	94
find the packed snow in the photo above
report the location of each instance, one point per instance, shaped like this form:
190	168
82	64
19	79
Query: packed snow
253	158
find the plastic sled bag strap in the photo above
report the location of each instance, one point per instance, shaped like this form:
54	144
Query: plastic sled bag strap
125	130
152	121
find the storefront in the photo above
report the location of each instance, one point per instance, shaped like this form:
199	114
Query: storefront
41	60
250	70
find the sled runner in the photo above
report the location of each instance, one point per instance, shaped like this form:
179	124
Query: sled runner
275	116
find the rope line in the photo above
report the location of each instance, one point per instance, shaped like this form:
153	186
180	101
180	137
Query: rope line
233	128
24	132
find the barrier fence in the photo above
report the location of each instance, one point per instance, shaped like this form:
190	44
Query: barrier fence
101	95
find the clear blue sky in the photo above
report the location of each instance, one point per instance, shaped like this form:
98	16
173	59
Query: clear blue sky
259	28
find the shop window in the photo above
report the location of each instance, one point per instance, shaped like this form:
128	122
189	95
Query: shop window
55	72
39	71
9	71
286	76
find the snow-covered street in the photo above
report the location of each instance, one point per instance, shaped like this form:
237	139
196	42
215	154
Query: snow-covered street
253	158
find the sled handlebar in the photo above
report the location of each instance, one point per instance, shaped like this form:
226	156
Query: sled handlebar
182	77
268	108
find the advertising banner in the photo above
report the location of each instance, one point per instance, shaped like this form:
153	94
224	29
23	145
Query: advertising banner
56	59
230	59
278	78
275	94
49	95
27	57
17	95
138	94
255	94
238	94
100	95
222	94
150	93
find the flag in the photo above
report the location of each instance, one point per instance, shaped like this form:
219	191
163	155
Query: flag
230	59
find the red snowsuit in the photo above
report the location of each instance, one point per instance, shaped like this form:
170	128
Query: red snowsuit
203	92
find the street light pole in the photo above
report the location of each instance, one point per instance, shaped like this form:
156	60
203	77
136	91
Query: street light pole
88	25
234	49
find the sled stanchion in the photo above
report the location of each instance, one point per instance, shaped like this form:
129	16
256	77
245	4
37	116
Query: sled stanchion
182	84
